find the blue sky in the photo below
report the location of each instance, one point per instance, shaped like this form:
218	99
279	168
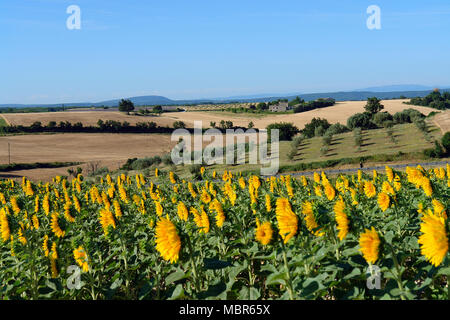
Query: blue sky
203	49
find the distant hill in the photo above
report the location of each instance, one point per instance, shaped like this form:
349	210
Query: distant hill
159	100
398	87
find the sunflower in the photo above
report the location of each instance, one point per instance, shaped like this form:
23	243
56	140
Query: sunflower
354	196
45	246
54	252
117	209
168	242
387	188
434	240
123	194
205	197
106	219
268	203
4	225
204	220
389	174
318	191
191	190
264	232
369	243
341	219
397	183
311	223
383	201
426	186
287	219
35	221
242	182
369	189
439	208
182	211
76	203
14	205
172	177
316	177
220	216
55	226
81	258
158	208
329	191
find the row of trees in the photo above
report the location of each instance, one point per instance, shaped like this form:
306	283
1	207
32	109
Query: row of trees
303	106
109	126
435	99
126	105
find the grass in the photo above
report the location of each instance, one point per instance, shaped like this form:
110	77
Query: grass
376	147
408	139
3	122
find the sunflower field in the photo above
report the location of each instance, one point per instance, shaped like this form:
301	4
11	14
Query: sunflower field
227	237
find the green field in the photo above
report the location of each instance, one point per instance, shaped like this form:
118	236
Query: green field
409	144
408	139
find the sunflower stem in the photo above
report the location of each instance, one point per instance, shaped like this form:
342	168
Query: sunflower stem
398	276
194	269
288	274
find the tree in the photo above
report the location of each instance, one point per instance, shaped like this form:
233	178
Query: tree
51	124
286	130
310	128
157	109
446	142
126	106
380	117
373	105
360	120
36	126
179	125
262	106
250	125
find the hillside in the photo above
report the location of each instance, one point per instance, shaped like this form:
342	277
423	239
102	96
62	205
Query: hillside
159	100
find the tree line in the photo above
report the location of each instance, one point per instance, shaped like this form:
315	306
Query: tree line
435	99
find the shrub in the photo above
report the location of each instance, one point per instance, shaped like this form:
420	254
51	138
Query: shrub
310	128
446	142
360	120
358	137
296	142
157	160
286	130
421	125
337	128
407	116
179	125
388	124
326	140
380	117
319	131
167	159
